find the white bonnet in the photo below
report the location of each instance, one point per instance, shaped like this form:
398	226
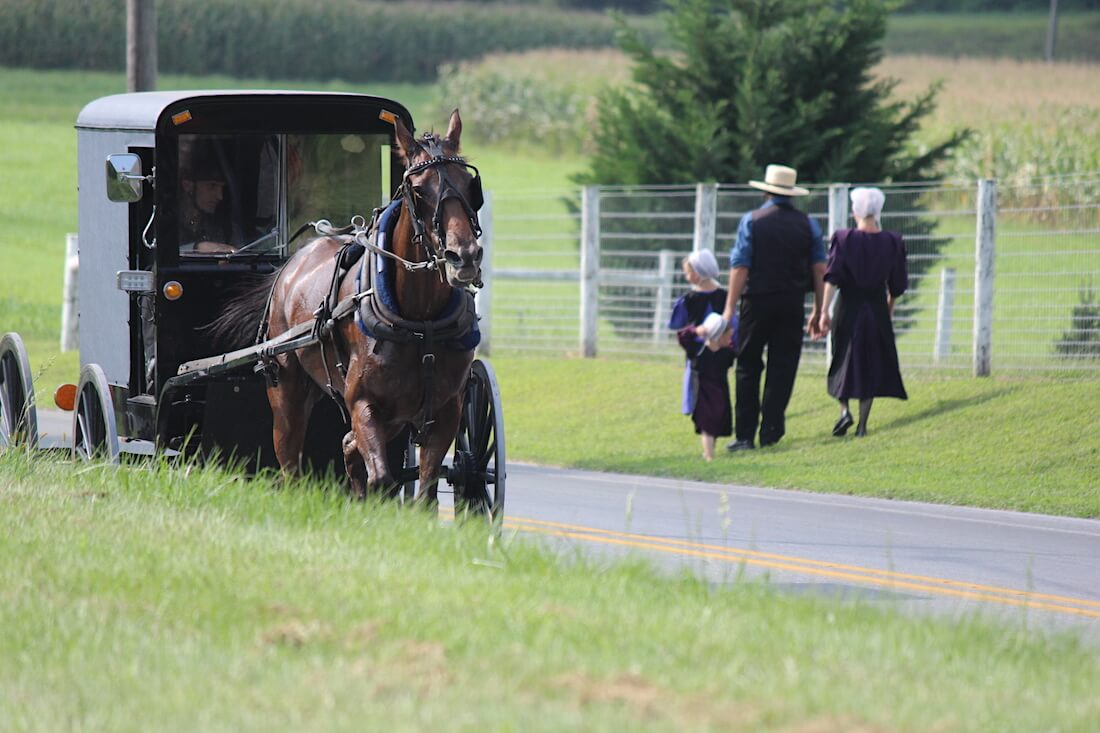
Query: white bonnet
704	264
867	201
714	326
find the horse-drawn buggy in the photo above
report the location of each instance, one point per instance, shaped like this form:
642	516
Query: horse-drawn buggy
225	310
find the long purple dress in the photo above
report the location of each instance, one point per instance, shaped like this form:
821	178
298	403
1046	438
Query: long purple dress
863	266
706	372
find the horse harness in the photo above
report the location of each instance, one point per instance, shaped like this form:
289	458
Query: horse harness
374	309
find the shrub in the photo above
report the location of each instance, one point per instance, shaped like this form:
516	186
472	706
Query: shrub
1082	340
536	98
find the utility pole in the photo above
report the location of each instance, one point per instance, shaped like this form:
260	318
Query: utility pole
1052	30
141	45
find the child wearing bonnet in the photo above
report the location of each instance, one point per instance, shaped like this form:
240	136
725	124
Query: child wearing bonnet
709	347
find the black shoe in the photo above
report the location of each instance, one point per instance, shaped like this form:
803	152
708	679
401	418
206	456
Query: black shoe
842	425
861	431
740	445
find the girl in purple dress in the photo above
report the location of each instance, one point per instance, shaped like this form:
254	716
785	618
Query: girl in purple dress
710	354
867	266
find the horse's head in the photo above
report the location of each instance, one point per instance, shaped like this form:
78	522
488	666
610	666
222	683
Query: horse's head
443	193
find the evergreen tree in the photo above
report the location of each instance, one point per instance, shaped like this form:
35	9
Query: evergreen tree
1082	340
750	82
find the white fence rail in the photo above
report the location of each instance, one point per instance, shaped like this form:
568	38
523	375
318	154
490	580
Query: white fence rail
993	287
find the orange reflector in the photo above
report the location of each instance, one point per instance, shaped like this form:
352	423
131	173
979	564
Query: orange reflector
180	117
65	397
173	290
388	116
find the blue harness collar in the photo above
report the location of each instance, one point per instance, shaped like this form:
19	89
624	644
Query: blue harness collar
378	315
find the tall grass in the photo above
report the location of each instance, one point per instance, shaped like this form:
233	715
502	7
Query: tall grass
182	599
1029	118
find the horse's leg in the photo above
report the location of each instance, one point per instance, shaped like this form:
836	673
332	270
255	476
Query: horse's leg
369	437
292	400
434	449
355	465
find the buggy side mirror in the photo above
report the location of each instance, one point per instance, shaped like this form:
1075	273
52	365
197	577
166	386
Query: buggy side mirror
124	177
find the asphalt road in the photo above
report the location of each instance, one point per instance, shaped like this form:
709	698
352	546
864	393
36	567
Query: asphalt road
1024	569
1029	570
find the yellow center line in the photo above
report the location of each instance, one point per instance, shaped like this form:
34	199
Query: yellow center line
870	576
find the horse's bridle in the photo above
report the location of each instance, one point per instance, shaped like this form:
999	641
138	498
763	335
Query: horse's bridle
447	190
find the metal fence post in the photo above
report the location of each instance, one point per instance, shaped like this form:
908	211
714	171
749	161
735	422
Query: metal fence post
838	219
838	207
69	337
944	313
666	272
590	264
706	216
484	297
983	276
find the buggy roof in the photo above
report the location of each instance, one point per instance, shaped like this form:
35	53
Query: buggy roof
142	110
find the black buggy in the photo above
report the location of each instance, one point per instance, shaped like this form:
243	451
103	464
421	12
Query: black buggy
204	192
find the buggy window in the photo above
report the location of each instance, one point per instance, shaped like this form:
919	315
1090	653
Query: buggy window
335	177
231	188
228	194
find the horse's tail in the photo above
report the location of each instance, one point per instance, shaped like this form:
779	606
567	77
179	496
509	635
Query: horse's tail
238	325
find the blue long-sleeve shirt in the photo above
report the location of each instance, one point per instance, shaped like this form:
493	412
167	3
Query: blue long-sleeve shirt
741	254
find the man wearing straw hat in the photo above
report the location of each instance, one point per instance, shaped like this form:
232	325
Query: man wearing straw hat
778	255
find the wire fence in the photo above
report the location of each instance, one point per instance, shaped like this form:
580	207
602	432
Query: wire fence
595	271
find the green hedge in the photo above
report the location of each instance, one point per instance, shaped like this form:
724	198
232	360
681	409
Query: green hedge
290	39
994	35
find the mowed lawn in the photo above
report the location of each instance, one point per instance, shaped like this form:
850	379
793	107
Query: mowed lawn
1023	443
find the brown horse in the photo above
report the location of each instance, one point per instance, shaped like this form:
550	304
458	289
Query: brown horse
386	384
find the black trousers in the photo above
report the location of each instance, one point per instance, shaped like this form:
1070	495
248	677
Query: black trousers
774	322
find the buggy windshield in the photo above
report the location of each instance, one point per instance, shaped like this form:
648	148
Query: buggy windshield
246	195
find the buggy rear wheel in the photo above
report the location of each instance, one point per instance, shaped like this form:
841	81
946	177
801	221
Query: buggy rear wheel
18	415
478	470
95	435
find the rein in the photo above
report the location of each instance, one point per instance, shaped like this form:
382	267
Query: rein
360	231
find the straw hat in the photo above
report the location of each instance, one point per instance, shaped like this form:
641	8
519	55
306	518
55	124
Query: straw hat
779	179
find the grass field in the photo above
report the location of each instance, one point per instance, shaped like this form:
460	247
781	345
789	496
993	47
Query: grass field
1029	118
184	600
1027	443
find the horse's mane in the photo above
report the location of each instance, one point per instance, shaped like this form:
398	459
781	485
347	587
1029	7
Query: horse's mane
239	322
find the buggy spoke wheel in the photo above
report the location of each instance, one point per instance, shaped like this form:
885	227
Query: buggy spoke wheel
18	415
478	468
95	436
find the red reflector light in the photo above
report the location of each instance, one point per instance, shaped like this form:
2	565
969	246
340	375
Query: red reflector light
65	397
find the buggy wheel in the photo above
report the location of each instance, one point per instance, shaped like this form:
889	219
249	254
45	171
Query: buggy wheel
18	415
95	436
478	470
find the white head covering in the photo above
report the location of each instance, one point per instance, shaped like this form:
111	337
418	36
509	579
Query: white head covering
704	264
714	326
867	201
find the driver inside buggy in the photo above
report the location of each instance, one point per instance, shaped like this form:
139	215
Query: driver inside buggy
226	194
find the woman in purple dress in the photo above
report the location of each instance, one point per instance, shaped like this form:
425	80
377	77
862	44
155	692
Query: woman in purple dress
867	266
709	354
